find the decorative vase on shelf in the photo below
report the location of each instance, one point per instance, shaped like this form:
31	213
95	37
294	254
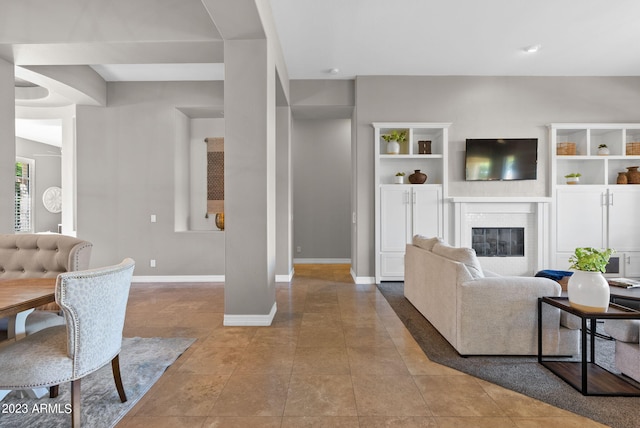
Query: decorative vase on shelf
398	179
603	151
633	175
588	291
220	221
417	177
622	178
393	147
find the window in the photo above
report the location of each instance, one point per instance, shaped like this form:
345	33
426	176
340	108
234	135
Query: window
23	192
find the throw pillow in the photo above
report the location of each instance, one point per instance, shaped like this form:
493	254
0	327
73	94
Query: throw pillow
462	255
426	243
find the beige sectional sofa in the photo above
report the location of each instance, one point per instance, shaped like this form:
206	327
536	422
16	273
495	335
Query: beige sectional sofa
478	312
41	256
627	336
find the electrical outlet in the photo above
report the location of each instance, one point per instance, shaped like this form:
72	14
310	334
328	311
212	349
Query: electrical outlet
153	218
152	263
298	249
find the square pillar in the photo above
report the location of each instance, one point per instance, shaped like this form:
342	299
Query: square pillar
250	184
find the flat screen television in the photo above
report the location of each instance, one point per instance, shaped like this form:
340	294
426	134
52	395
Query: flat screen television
489	159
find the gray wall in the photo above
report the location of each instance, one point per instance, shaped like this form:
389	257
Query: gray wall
47	174
322	188
7	145
126	172
479	107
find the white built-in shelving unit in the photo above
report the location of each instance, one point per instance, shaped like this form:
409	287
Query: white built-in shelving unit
597	212
403	210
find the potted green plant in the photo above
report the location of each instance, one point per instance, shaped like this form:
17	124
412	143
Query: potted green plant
587	288
394	139
603	150
573	178
399	178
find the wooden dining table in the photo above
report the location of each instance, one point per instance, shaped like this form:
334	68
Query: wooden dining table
18	297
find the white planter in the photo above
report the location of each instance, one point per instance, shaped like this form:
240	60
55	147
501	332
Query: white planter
573	180
398	179
393	148
603	151
588	291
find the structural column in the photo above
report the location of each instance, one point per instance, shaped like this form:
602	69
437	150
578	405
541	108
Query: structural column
284	196
7	146
250	185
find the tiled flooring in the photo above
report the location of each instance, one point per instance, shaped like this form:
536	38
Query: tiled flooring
336	355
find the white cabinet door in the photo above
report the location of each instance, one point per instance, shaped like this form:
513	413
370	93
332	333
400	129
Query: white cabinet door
427	211
394	217
581	217
624	210
632	265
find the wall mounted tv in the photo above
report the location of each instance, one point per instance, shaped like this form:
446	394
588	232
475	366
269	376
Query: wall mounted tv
501	159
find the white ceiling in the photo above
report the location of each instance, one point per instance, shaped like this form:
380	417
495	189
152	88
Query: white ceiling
180	40
458	37
164	40
47	131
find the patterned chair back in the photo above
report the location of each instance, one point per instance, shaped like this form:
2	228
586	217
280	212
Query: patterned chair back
94	303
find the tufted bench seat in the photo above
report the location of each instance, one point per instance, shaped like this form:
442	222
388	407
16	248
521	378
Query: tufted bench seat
41	256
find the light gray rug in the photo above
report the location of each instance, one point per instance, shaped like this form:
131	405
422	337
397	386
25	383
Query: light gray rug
142	362
520	374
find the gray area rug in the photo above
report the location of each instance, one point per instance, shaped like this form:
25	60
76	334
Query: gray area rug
142	362
520	374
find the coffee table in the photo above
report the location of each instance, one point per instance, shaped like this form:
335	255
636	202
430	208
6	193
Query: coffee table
629	297
586	375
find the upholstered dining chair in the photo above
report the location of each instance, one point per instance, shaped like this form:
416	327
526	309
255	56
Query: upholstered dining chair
94	303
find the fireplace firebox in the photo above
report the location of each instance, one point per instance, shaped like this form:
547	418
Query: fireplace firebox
498	241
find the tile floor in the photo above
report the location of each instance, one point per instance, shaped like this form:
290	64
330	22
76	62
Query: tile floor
336	355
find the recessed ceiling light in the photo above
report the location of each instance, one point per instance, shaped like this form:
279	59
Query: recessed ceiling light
532	49
334	71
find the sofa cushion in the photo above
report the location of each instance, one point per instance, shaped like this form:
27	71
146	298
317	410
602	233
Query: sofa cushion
467	256
624	330
425	242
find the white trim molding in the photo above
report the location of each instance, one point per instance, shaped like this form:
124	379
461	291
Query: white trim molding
250	320
321	261
362	279
285	278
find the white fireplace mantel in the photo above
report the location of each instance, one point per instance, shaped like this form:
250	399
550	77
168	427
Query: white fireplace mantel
498	199
529	212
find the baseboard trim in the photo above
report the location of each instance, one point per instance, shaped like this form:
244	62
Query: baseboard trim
250	320
179	278
285	278
321	261
362	279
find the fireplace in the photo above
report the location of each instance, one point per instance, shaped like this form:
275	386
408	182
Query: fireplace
506	233
498	241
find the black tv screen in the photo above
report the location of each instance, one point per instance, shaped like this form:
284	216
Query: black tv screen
501	159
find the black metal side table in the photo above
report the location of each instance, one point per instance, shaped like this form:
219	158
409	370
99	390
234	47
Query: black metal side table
586	376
